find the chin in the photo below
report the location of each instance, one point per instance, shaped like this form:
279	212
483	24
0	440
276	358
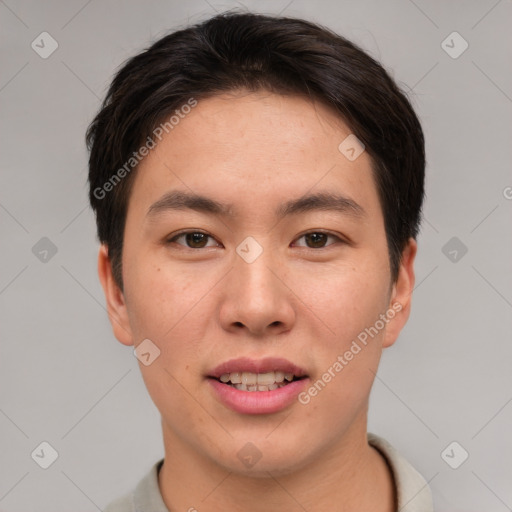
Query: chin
264	468
263	457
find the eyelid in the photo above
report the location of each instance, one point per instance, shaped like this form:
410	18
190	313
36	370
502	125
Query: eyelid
175	236
323	232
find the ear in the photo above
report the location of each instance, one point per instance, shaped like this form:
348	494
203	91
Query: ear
116	306
401	294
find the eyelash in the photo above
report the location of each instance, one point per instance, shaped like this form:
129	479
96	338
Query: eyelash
182	233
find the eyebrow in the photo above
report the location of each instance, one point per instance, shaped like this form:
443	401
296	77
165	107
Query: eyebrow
323	201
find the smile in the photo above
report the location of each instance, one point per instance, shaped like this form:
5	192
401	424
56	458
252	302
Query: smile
248	381
264	386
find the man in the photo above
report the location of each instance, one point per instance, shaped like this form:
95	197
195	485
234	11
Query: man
258	185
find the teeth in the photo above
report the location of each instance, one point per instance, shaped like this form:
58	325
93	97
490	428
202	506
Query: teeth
258	387
247	381
249	378
266	378
236	378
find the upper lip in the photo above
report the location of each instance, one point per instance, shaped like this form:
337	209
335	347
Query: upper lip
265	365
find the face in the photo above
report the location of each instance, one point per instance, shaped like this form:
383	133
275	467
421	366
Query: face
258	280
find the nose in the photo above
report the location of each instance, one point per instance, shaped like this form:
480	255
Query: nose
257	298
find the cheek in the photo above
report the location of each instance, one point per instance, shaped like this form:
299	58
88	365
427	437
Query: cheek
349	299
166	308
171	306
346	296
157	297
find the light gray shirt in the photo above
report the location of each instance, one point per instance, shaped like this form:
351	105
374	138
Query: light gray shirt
412	490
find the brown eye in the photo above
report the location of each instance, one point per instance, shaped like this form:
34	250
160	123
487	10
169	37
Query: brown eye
318	239
196	240
193	239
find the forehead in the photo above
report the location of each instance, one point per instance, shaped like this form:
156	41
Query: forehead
255	149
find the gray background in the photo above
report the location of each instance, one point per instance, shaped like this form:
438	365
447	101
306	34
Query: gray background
64	379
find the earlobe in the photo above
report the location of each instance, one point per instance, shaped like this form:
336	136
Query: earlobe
116	306
401	294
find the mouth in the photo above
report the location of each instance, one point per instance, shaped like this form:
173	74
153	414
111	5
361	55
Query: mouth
263	386
248	381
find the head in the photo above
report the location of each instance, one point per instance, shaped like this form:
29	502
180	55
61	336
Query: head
235	131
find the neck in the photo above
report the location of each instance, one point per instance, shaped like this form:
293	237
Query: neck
348	476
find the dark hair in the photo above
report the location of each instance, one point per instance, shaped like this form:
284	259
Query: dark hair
233	51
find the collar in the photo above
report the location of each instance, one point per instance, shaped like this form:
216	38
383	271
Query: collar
412	490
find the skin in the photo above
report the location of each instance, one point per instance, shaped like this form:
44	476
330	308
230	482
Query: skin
203	304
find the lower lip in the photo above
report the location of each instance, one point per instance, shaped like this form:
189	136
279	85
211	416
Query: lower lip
258	402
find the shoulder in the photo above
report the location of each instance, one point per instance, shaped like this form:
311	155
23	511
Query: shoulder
146	496
122	504
412	490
